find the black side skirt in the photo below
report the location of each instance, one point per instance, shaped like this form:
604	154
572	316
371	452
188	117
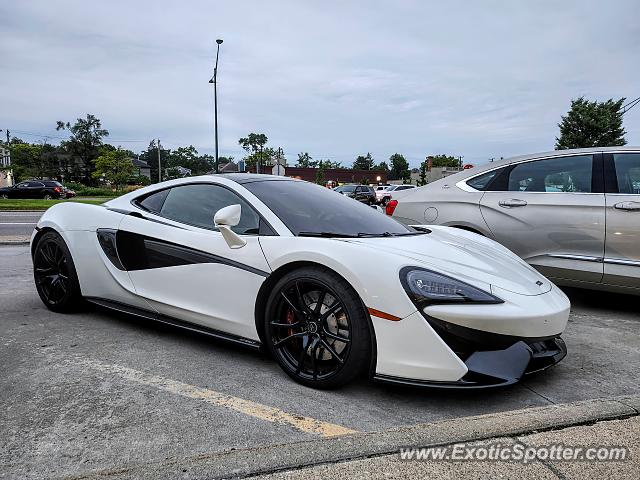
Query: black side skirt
139	312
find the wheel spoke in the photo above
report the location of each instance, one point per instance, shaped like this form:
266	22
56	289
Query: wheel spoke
332	309
295	309
335	337
285	325
303	305
331	351
321	296
281	343
314	363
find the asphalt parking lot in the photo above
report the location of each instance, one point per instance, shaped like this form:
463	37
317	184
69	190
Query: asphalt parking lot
97	391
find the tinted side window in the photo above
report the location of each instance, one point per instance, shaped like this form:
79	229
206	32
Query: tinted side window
153	203
627	172
563	174
197	204
481	182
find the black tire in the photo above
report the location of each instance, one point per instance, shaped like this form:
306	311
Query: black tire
4	196
317	328
55	274
47	196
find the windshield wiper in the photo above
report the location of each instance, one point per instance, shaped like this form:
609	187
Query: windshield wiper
326	235
389	234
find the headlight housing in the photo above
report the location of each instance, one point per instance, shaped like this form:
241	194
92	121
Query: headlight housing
425	287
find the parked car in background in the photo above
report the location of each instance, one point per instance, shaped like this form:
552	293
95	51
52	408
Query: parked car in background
572	214
362	193
47	189
384	194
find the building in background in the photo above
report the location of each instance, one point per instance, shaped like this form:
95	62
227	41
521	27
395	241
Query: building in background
143	169
6	173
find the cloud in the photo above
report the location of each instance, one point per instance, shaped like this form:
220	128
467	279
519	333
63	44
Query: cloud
336	79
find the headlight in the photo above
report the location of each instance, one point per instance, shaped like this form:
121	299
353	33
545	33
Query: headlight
425	287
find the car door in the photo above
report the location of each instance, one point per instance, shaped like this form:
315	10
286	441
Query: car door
550	212
21	190
622	247
184	267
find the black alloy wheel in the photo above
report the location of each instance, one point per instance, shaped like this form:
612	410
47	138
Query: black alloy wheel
318	336
55	274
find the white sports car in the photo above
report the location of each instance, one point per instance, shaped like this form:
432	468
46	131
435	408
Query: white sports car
331	287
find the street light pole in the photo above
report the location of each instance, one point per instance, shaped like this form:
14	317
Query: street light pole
215	99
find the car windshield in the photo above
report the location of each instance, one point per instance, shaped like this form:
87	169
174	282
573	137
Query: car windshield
311	210
346	188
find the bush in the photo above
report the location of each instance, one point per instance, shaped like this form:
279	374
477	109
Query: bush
84	191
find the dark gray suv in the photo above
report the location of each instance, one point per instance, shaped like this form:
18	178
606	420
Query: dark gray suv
362	193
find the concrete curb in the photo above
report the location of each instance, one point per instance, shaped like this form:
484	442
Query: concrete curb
268	459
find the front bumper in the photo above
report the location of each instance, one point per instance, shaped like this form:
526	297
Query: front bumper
498	368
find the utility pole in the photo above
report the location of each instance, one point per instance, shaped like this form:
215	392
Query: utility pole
159	166
214	80
278	160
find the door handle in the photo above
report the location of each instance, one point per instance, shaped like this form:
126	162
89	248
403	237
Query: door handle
627	206
514	202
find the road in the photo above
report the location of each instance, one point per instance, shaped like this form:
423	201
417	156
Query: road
15	224
94	390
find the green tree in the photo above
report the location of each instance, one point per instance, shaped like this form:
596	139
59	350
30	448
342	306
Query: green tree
188	157
330	164
363	162
592	124
320	173
382	166
85	139
422	179
254	145
399	168
305	161
447	161
115	167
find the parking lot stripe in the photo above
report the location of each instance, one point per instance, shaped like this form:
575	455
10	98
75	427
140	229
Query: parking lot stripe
247	407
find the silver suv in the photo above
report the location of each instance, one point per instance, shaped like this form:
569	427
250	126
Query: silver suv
572	214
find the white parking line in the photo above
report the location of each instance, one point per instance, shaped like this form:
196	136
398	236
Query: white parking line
247	407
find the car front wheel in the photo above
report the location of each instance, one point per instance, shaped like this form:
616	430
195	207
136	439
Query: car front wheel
55	274
317	328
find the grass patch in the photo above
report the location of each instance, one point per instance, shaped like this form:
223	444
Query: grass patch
39	204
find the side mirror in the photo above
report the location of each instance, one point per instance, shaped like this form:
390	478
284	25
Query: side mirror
224	219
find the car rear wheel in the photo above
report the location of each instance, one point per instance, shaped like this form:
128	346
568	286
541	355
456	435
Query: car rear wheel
55	274
4	196
317	328
47	196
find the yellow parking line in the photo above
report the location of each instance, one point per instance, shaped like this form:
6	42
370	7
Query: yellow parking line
253	409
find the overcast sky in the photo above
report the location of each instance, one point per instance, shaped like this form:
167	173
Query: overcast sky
336	78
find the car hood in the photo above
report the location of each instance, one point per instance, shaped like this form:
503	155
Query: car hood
465	256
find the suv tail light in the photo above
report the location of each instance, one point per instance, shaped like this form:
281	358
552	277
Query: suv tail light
391	206
57	189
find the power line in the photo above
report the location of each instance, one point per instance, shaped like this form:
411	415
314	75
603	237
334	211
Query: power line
630	105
